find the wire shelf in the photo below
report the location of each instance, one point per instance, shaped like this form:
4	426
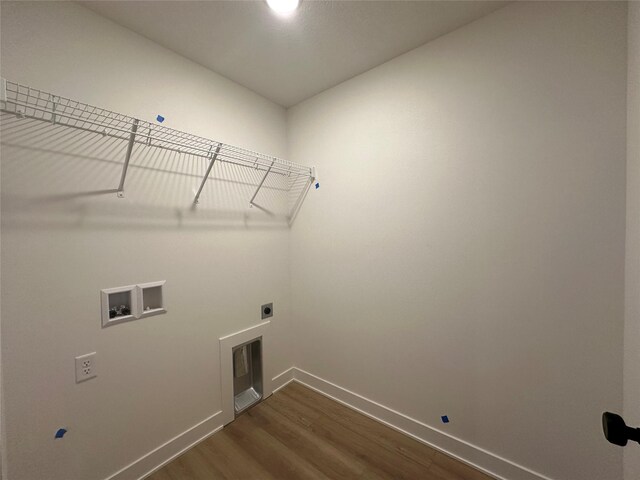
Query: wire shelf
26	102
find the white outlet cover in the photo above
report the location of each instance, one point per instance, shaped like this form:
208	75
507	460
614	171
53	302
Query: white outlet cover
85	367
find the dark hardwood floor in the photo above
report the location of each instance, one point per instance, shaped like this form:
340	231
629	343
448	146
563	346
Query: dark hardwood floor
300	434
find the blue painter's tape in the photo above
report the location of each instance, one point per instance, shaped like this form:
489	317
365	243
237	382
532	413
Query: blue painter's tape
160	118
60	433
317	185
445	419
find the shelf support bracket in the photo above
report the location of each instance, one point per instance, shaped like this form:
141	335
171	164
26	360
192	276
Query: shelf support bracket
301	197
132	138
196	200
251	204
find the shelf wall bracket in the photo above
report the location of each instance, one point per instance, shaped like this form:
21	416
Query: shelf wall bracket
132	138
196	200
266	174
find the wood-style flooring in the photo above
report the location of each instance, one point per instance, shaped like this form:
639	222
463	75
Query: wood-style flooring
299	434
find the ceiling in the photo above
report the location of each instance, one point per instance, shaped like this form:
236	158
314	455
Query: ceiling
290	59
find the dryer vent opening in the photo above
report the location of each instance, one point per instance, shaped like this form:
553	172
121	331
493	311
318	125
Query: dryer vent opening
247	375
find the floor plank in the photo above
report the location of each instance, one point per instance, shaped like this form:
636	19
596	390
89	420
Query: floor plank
384	462
299	434
358	423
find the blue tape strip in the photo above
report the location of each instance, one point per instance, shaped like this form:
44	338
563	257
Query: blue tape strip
60	433
317	185
160	118
445	419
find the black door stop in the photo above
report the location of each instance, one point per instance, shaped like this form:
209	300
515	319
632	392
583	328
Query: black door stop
616	431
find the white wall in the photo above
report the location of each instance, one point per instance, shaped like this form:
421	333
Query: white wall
465	252
62	242
632	312
463	256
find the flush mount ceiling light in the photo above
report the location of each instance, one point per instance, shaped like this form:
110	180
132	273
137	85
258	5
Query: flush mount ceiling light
283	8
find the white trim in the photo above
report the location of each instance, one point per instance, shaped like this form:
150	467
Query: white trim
283	379
226	366
470	454
165	453
467	453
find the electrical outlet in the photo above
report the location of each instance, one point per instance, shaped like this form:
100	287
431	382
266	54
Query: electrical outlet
85	367
266	310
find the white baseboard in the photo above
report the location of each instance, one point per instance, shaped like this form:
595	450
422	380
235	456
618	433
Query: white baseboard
159	457
472	455
283	379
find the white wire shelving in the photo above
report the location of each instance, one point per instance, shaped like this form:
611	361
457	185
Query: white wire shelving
26	102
